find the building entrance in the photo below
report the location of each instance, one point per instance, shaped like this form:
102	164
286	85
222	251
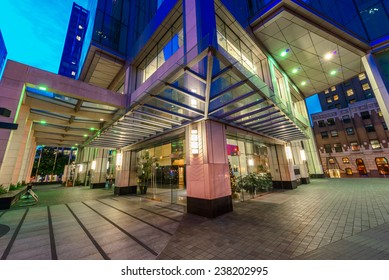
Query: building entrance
161	173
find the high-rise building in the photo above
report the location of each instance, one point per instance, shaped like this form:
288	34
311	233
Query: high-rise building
75	36
209	89
3	54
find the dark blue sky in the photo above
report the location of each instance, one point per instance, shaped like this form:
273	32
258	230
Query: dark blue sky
34	30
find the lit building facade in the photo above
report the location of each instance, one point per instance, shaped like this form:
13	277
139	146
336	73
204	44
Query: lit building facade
206	85
353	141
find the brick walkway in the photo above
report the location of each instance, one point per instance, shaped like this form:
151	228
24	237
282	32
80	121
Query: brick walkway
328	219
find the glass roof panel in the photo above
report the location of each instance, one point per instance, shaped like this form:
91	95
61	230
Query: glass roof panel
171	108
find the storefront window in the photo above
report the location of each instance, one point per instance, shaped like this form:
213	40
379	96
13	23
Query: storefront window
382	165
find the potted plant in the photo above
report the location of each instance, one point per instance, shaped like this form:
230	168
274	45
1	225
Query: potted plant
235	190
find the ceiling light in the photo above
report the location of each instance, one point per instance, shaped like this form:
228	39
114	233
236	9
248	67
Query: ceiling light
85	135
43	122
101	120
92	128
295	70
284	53
303	83
333	72
329	55
42	88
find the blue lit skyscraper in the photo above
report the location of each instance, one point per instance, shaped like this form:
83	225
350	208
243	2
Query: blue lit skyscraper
3	54
73	43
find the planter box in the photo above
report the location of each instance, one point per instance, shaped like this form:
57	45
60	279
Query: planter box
125	190
9	198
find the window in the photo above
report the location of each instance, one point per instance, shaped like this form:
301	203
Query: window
331	121
350	131
354	146
334	133
362	76
333	88
327	148
346	160
369	94
336	97
382	165
338	147
329	99
350	92
326	91
375	144
349	171
352	101
365	115
321	123
365	86
331	160
380	113
384	125
324	135
369	128
346	119
338	106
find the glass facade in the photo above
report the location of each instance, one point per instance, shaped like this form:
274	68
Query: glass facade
111	24
163	50
161	172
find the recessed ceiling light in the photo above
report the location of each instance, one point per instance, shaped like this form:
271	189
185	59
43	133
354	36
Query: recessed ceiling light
295	70
303	83
43	122
85	135
284	53
328	56
333	72
42	88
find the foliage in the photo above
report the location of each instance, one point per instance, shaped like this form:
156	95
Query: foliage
47	161
13	187
233	182
253	183
2	189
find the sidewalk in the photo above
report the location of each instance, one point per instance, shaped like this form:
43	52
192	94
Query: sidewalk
328	219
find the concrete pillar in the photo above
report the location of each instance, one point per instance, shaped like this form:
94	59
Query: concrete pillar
13	157
27	152
99	173
281	168
377	85
208	180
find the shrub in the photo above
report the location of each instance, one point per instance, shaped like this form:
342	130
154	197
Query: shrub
2	189
253	183
13	187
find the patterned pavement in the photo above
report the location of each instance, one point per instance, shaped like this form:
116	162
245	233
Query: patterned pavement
327	219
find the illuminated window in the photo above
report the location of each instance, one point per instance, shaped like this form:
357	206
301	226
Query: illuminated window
362	76
349	171
329	99
336	97
331	160
326	91
354	146
365	86
346	160
382	165
324	135
350	131
350	92
73	73
330	121
334	133
338	147
333	88
327	148
78	38
375	144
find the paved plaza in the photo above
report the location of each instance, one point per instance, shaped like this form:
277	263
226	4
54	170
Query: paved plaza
327	219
